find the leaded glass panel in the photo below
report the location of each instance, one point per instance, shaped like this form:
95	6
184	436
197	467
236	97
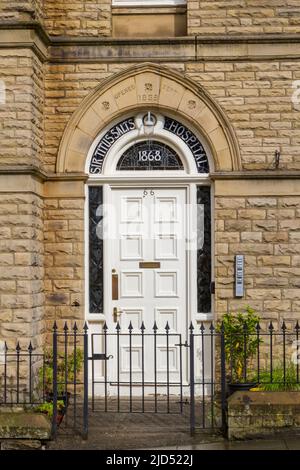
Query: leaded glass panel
95	249
149	155
204	249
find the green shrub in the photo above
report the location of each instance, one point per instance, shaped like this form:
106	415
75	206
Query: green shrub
47	408
278	383
240	340
46	373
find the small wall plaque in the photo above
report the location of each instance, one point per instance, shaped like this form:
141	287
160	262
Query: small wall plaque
149	265
239	275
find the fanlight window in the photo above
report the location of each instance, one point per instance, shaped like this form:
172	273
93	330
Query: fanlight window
149	155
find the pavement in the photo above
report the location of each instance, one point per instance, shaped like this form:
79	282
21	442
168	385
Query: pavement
148	431
277	443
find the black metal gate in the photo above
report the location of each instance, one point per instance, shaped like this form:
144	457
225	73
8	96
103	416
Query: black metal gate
64	378
139	371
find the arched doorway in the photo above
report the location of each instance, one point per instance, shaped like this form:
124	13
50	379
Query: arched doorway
108	139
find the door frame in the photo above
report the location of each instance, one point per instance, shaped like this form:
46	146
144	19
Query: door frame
188	183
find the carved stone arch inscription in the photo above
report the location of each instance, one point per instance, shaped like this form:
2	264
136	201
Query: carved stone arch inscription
148	86
128	125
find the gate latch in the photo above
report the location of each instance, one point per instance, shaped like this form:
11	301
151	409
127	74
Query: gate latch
185	344
100	357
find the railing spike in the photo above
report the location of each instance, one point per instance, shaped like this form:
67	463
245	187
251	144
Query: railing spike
65	327
130	327
271	327
167	327
30	348
18	348
258	327
212	328
202	327
191	327
54	326
85	327
283	326
118	326
75	327
297	327
155	327
105	327
143	326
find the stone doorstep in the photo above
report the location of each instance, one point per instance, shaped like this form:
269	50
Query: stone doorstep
24	425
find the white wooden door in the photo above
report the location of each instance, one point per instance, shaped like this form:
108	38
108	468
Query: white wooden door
149	227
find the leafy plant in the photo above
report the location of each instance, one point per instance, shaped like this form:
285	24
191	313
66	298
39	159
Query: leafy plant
278	381
240	340
65	370
47	408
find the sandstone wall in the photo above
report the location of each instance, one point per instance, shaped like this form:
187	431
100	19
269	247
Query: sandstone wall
78	18
267	231
21	10
21	265
256	97
21	116
64	259
243	17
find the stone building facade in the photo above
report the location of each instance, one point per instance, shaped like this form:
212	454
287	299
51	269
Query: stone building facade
227	70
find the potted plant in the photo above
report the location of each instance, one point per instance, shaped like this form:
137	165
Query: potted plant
65	374
241	343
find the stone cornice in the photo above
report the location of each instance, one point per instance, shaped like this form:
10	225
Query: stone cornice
224	175
256	175
40	174
193	48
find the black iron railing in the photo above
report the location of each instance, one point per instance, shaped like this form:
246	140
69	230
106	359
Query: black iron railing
70	376
21	376
159	371
268	358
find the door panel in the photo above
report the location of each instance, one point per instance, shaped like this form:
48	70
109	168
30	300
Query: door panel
150	227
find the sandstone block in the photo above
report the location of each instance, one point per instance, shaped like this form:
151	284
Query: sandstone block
274	261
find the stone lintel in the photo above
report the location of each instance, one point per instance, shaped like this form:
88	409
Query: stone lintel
257	187
56	189
13	183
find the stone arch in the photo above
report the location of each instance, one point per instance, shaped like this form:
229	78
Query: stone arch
156	87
